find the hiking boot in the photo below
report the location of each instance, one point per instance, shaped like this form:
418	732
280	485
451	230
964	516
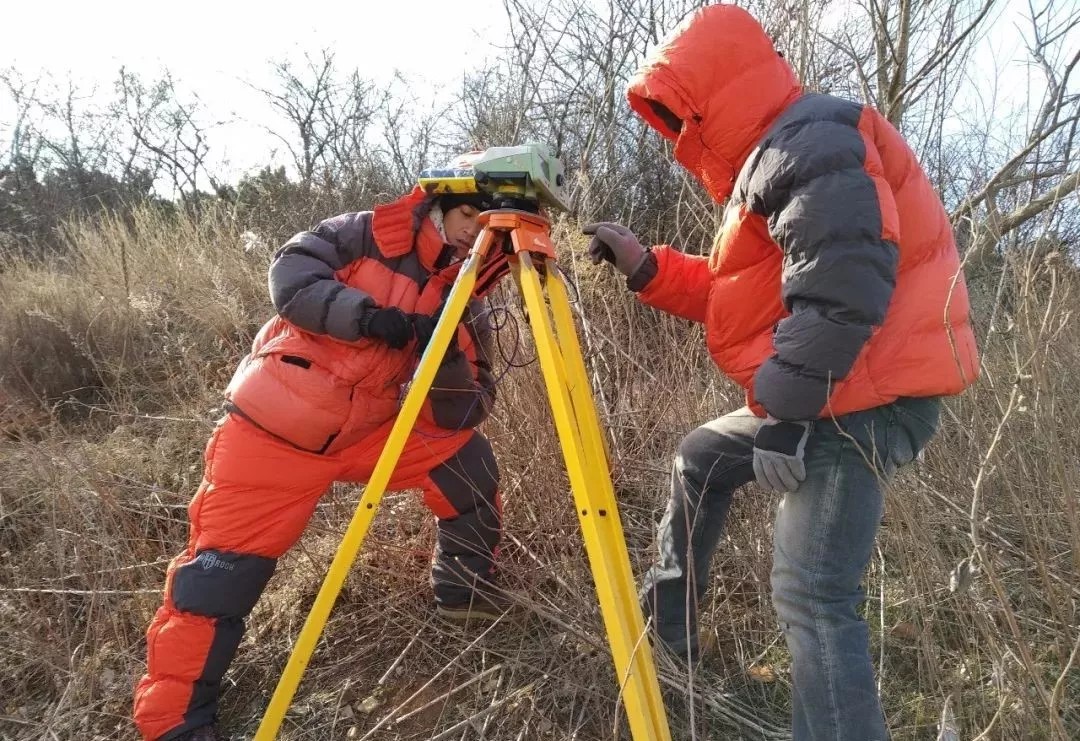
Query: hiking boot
202	733
481	607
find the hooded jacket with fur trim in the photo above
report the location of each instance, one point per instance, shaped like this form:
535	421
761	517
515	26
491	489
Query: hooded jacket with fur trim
834	284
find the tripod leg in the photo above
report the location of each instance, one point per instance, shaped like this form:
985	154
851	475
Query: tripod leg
602	492
586	464
373	492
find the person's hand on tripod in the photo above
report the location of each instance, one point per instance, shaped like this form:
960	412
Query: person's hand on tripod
424	328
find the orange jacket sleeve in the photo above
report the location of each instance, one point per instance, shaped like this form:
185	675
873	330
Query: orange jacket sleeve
681	284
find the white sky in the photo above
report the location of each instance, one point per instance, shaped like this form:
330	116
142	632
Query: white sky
212	47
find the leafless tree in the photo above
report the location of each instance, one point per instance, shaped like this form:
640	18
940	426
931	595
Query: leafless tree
327	116
170	131
408	141
1038	178
21	144
916	67
562	79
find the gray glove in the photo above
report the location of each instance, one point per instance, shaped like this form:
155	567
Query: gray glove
616	244
778	454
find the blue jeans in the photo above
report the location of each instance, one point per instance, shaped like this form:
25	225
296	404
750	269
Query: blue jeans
822	542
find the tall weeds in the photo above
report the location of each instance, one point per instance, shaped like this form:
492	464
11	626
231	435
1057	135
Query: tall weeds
112	365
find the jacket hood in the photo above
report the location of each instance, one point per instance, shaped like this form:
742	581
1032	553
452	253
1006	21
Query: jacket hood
402	225
719	73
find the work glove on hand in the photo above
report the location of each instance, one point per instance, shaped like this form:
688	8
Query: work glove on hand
616	244
778	454
423	327
391	325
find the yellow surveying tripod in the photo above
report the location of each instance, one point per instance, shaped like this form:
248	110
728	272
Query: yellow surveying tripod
524	239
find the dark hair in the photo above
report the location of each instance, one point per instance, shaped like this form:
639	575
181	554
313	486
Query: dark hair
479	201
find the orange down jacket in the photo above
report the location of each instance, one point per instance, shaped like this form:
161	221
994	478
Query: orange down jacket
834	284
312	379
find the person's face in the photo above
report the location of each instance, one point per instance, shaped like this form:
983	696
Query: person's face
462	226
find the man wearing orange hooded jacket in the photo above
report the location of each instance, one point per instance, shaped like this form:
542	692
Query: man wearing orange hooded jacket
833	295
313	403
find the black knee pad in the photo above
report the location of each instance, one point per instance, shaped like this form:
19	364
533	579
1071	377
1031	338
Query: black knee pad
221	584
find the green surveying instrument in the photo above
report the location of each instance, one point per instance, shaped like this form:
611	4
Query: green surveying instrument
521	177
515	239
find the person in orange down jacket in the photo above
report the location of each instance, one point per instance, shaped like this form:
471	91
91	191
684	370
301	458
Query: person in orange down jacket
834	295
313	403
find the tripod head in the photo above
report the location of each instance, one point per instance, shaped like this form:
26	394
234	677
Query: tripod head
503	200
523	178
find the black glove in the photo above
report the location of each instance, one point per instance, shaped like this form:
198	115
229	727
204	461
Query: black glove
390	325
423	327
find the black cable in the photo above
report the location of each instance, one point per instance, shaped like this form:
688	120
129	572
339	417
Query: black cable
496	326
572	284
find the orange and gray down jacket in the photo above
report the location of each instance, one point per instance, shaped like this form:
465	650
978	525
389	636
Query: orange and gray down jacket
834	284
311	379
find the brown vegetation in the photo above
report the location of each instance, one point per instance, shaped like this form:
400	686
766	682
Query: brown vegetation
120	324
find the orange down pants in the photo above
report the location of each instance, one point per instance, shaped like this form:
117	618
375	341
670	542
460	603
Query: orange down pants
257	495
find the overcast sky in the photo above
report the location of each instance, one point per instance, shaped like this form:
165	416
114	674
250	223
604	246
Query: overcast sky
212	47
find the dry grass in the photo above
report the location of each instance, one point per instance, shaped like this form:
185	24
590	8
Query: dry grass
112	366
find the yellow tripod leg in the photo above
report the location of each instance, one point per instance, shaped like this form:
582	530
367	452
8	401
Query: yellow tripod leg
586	464
601	494
373	492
